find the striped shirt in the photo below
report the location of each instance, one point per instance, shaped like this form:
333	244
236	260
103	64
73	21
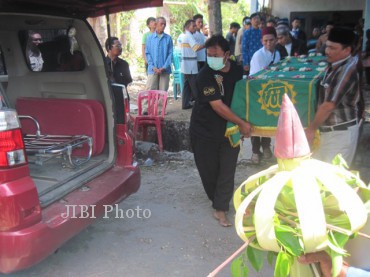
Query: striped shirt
158	51
341	85
189	46
251	42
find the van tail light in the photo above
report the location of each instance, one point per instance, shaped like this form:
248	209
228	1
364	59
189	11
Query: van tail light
12	151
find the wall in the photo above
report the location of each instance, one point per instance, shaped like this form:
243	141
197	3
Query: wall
282	8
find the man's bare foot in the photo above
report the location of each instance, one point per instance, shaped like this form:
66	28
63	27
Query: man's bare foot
222	219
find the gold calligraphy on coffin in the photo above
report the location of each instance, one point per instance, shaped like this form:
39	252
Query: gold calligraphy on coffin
271	95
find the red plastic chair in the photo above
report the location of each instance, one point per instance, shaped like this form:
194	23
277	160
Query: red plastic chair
156	101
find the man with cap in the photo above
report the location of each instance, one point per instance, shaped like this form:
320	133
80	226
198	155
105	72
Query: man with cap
251	40
338	100
239	36
263	57
266	55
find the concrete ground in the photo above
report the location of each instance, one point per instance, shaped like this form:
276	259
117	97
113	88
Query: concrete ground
172	233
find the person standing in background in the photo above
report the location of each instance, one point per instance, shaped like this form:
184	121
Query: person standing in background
271	23
118	72
189	64
159	50
238	41
33	52
151	23
296	32
263	57
200	39
321	42
231	36
118	69
205	31
288	45
251	41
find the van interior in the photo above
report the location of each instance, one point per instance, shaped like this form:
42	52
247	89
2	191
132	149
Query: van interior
65	109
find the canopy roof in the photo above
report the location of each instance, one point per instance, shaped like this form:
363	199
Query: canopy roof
76	8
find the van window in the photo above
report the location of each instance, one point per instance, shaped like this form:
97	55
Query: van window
52	50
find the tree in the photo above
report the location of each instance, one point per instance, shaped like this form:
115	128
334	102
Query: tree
215	17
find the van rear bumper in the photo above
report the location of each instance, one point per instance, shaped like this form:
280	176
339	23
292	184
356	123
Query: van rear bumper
23	248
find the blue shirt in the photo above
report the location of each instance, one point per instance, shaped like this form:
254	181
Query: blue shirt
251	42
356	272
158	51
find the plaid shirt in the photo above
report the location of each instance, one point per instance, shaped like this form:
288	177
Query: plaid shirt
341	85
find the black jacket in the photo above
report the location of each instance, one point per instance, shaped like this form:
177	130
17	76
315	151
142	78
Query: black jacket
299	47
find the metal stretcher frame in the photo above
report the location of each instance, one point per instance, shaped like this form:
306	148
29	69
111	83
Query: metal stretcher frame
45	147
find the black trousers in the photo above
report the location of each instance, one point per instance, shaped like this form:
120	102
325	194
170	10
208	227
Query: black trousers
257	142
190	90
216	163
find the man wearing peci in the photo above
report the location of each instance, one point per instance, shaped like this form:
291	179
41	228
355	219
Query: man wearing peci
338	100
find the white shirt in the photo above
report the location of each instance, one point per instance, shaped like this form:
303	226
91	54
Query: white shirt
36	61
189	46
179	39
238	42
261	59
200	39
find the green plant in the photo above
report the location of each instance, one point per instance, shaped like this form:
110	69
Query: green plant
180	13
232	12
299	206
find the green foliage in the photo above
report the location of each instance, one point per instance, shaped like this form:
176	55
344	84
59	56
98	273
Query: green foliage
255	257
337	262
270	257
340	161
232	12
124	22
283	264
180	13
289	238
238	268
287	223
140	64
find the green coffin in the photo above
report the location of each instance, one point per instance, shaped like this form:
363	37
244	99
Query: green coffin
258	99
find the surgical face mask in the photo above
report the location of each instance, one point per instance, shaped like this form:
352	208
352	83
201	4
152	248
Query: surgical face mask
216	63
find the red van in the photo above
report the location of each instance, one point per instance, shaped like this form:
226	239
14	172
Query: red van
61	143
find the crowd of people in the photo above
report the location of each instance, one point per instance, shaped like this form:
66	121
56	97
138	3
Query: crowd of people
212	65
